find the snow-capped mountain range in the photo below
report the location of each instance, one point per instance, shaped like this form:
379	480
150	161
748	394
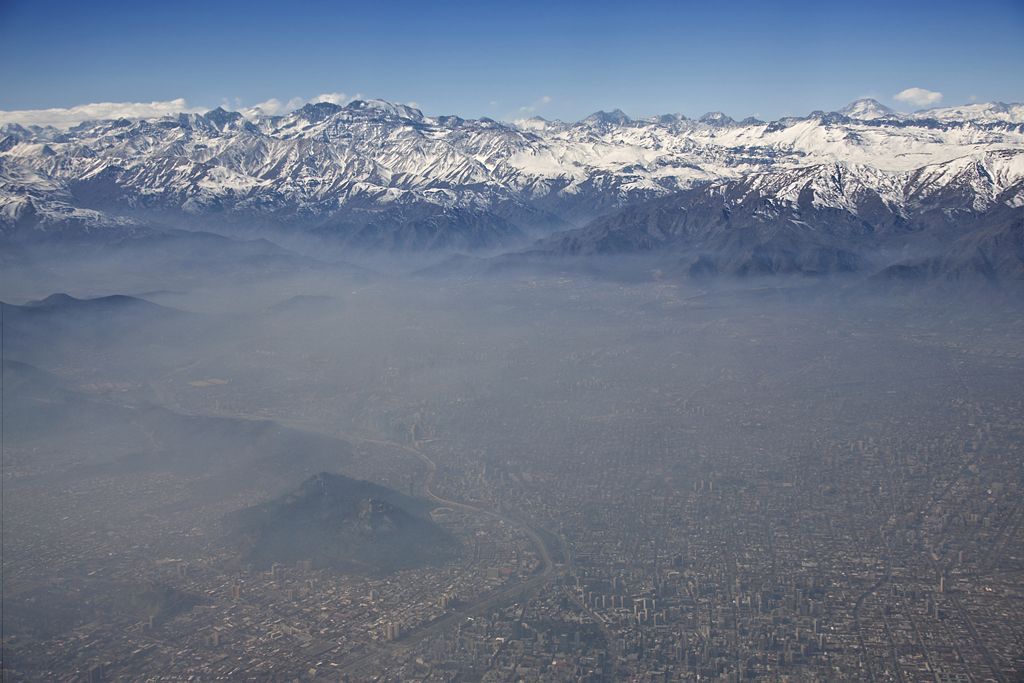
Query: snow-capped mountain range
377	174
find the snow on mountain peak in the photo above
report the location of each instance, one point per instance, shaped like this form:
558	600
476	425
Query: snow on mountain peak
867	109
317	111
534	123
613	117
717	118
980	111
399	110
222	118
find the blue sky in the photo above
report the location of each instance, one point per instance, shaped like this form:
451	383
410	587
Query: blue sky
505	60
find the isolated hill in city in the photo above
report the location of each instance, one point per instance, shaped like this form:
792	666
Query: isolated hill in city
343	523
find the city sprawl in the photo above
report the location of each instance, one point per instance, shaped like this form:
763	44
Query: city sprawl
644	481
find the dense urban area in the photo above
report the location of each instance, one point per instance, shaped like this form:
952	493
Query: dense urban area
645	481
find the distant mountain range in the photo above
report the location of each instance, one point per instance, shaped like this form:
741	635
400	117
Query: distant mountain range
221	455
64	321
825	192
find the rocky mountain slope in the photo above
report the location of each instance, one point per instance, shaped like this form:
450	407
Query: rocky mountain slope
818	219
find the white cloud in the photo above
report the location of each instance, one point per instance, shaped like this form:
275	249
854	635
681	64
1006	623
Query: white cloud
67	117
332	97
271	107
275	107
535	106
70	116
918	97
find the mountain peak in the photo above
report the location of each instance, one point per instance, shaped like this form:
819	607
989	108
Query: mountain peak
866	108
977	111
317	111
58	299
717	118
221	117
615	116
403	111
535	123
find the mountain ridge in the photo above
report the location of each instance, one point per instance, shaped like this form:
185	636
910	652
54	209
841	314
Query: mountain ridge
377	175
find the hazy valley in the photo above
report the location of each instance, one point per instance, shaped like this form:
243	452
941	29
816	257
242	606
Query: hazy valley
356	393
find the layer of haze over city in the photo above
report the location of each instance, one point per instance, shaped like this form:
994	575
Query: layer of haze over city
570	342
